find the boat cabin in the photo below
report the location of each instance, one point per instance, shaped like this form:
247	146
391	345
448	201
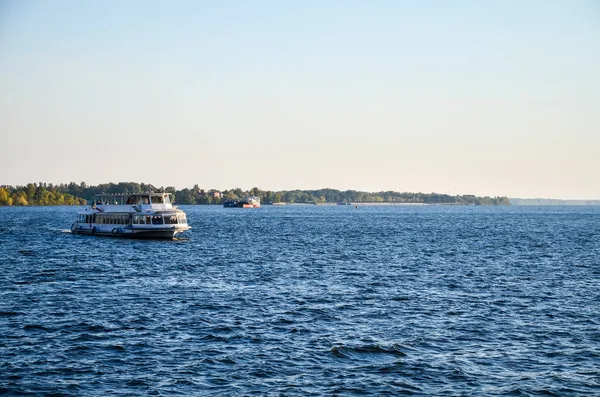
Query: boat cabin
133	199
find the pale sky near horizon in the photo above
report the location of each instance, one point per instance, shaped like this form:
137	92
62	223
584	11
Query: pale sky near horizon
461	97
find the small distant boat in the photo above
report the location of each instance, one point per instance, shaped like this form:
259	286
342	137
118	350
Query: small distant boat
147	215
246	202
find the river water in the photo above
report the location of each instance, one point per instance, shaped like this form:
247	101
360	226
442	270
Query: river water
305	300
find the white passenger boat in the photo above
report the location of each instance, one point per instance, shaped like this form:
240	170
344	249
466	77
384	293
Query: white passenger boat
146	215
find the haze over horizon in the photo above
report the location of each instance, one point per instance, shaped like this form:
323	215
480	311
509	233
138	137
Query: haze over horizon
498	99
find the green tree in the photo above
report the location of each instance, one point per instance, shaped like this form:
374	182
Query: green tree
5	198
20	198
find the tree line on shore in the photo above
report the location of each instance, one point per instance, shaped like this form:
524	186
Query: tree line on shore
78	194
37	194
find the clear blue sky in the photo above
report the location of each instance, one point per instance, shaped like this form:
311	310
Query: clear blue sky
489	98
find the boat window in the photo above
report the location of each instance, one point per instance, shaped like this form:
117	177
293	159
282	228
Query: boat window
157	199
167	199
131	200
171	219
145	200
182	218
157	220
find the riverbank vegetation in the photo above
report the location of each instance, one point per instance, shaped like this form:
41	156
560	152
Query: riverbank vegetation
37	194
77	194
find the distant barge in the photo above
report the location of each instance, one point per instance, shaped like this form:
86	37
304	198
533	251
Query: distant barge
246	202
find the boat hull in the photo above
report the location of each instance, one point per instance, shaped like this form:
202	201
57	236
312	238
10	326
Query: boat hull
155	234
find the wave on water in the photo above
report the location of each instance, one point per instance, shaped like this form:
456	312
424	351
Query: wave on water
366	351
305	301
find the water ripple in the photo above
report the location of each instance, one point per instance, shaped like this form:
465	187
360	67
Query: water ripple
306	301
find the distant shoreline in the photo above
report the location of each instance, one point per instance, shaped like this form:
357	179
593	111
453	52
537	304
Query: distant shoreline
551	202
76	194
351	203
565	203
43	194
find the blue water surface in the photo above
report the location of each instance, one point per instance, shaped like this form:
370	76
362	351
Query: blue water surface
305	301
